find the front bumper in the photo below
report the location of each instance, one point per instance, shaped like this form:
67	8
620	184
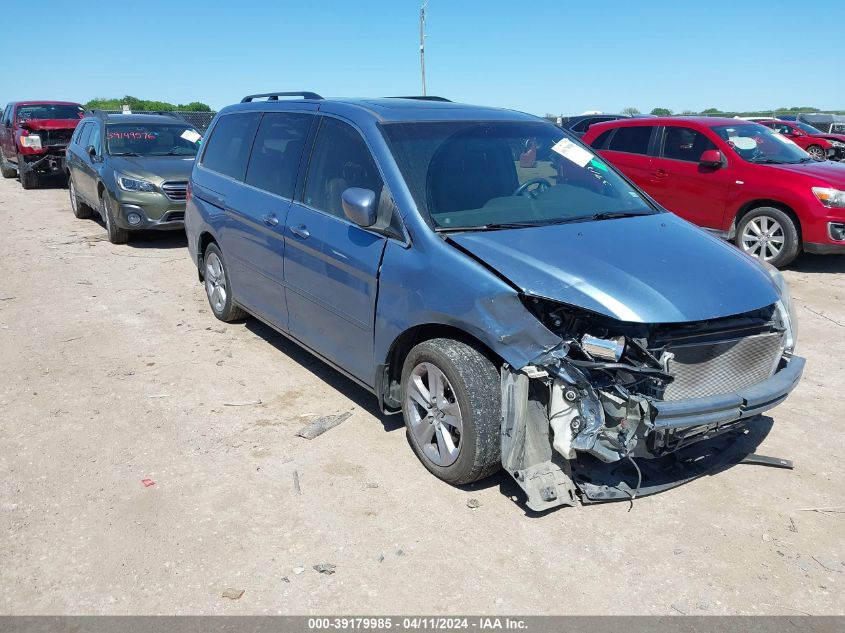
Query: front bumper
725	408
171	220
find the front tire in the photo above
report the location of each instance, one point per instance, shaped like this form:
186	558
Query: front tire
117	235
769	234
80	209
29	179
451	402
218	288
817	152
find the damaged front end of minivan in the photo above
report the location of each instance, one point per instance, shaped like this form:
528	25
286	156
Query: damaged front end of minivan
652	397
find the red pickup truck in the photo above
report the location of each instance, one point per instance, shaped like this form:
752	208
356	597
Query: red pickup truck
33	138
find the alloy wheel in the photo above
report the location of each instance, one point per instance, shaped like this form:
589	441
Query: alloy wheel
817	153
215	282
763	237
435	417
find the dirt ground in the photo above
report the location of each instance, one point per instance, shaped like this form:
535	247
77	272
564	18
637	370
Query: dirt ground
113	371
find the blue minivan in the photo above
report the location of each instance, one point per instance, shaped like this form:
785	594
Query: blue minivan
520	302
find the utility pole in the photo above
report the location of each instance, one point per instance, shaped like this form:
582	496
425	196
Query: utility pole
422	42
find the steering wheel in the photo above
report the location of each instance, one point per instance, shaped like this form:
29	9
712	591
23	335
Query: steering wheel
542	185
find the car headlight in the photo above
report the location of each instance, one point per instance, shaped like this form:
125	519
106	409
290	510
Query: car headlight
785	307
837	143
31	140
829	196
133	184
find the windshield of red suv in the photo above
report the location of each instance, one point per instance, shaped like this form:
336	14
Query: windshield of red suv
49	111
506	174
152	139
809	129
759	144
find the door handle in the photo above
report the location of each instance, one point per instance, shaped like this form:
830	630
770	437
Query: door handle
270	219
301	231
661	173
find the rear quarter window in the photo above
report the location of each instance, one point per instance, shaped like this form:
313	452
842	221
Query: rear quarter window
632	140
600	142
227	150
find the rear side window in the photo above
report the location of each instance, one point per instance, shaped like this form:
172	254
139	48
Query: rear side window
85	135
683	143
341	159
227	151
633	140
94	138
276	153
601	140
80	132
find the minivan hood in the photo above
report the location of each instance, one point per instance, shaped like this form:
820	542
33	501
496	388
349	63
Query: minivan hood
49	124
648	269
156	168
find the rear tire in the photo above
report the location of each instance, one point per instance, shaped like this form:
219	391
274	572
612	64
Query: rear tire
218	287
452	401
769	234
80	209
29	179
117	235
6	169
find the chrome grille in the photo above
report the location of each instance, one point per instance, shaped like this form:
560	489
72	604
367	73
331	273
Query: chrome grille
175	190
717	367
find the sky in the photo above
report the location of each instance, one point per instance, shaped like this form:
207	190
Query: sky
559	56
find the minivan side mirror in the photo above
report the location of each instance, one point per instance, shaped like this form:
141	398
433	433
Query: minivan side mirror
359	206
711	158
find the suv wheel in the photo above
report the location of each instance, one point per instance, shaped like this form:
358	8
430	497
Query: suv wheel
117	235
769	234
6	169
80	209
28	178
451	402
218	288
816	152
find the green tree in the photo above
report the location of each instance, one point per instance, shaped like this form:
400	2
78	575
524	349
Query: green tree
661	112
630	110
711	111
135	103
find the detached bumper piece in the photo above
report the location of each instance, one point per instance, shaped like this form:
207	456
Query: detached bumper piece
47	164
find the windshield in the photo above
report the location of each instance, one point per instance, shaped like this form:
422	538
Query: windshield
49	111
469	174
759	144
809	129
152	139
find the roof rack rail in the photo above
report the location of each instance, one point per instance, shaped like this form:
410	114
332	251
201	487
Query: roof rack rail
100	114
424	98
274	96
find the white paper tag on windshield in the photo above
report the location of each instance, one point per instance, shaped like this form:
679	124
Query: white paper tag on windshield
573	152
191	136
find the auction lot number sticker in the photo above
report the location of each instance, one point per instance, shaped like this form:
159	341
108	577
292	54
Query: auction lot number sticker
417	624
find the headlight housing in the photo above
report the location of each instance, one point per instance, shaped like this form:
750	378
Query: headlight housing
31	140
133	184
829	196
785	308
837	143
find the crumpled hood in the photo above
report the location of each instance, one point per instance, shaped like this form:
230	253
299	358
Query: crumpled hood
832	137
649	269
154	168
49	124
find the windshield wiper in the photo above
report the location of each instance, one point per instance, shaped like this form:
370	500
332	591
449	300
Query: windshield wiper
769	161
613	215
126	154
494	226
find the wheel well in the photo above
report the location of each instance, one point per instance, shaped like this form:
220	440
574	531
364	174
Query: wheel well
756	204
413	336
205	239
100	189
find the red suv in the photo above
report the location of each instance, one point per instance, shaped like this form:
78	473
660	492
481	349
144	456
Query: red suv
738	179
33	138
816	143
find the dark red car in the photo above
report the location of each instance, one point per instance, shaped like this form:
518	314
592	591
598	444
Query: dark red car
820	145
738	179
33	138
